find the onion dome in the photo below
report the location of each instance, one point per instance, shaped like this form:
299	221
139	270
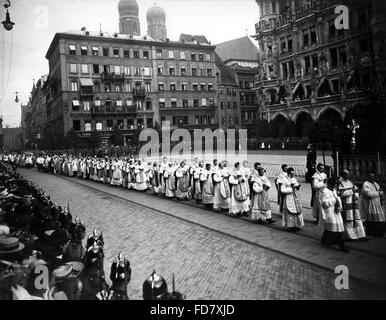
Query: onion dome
128	6
155	13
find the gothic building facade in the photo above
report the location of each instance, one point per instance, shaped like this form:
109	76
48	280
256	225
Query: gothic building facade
308	68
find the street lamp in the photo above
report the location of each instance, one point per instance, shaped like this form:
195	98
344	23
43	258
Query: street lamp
7	23
353	127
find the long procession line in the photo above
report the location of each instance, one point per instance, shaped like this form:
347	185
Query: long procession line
190	204
222	232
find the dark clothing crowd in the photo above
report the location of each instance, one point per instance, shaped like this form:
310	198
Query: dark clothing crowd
42	256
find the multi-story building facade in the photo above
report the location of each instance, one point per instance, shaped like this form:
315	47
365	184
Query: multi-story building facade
25	111
241	57
98	81
38	110
310	69
228	98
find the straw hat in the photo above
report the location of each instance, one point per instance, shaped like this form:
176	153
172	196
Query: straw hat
10	245
77	268
62	272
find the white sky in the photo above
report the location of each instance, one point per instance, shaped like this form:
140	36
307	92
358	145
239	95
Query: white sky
37	21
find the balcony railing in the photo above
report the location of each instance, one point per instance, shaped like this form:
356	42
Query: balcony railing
277	106
86	92
301	103
327	99
139	93
268	83
113	110
357	95
105	76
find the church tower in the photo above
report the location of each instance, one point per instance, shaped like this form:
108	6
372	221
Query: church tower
156	27
128	17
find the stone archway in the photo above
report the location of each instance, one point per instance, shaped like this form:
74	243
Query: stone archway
280	126
303	124
330	113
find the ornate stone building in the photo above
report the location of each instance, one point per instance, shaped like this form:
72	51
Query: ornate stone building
240	59
311	70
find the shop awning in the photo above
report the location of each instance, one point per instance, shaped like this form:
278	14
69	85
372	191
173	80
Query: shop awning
86	82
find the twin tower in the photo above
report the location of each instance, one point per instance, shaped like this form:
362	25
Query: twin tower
129	21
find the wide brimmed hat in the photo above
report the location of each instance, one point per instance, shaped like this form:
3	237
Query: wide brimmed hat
62	272
10	245
77	267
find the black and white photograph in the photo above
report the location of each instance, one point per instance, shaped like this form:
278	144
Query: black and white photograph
205	151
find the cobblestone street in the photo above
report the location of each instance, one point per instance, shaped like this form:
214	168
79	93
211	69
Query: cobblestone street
214	256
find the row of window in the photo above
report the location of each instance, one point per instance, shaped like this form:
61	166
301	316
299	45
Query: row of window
195	72
128	87
249	115
229	91
184	87
85	50
108	69
109	124
109	87
229	121
198	120
309	37
243	84
85	105
338	57
137	71
184	103
230	105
